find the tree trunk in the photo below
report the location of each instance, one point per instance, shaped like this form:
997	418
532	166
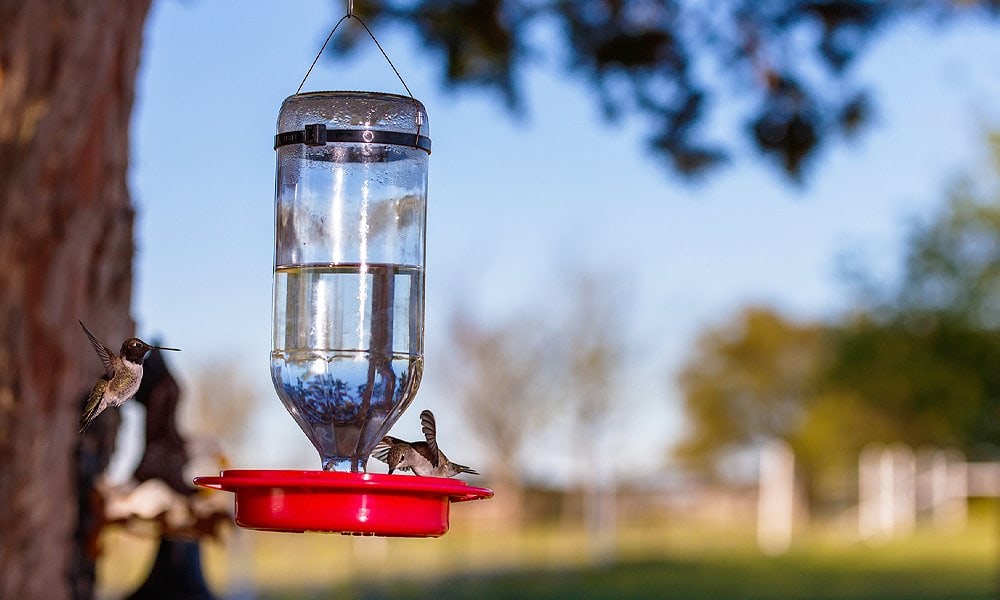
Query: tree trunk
67	78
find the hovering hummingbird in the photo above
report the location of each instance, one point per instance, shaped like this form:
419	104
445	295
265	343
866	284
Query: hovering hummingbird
121	379
423	458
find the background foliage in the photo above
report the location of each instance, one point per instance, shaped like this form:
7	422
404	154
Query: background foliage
673	63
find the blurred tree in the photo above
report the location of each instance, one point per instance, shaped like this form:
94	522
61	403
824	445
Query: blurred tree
591	349
923	351
67	74
500	375
762	376
221	404
592	355
749	380
672	62
915	362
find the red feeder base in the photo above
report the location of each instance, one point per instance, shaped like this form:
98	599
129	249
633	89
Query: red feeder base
350	503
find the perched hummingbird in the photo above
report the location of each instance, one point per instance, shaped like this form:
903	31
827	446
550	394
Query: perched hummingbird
121	379
423	458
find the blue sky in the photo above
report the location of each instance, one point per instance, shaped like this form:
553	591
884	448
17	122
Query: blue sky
512	201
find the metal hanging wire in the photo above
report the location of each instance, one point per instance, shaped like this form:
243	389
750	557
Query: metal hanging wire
350	15
418	140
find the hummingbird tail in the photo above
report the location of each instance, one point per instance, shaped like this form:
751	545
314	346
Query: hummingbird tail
465	469
88	417
85	423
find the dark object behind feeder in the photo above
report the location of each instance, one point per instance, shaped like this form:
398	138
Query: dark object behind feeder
165	454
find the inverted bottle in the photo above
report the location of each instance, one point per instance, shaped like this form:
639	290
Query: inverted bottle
350	214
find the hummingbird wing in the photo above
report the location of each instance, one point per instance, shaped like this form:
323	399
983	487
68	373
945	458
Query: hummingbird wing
106	355
429	428
93	407
381	450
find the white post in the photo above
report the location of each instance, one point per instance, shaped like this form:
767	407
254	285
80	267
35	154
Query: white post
949	491
885	491
924	482
886	504
958	493
903	490
869	491
776	498
955	507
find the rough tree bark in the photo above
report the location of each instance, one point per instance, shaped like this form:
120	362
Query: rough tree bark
67	76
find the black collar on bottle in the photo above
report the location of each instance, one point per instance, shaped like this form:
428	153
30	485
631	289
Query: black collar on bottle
319	135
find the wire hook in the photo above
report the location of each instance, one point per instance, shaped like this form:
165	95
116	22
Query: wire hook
350	15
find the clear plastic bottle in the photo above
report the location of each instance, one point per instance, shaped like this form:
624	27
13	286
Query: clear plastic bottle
350	214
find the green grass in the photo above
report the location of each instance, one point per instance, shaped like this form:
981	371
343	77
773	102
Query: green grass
719	578
697	564
661	560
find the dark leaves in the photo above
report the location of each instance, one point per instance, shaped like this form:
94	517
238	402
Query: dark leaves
480	42
787	126
645	49
846	26
667	61
678	141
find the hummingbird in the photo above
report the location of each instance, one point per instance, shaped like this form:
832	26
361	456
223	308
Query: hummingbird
423	458
123	372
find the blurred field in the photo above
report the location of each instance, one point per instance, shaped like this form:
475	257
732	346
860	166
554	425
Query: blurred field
653	560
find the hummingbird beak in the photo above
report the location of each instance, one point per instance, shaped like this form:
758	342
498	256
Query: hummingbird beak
165	348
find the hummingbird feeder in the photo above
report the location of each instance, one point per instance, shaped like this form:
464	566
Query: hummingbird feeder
348	324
